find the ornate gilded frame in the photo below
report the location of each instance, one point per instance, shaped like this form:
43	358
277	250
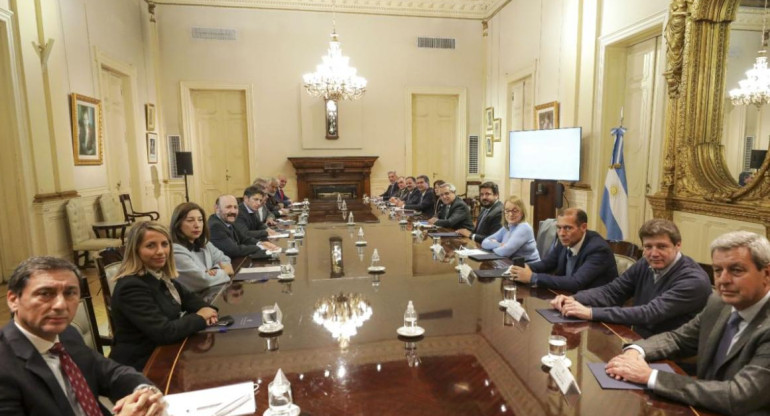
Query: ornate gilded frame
695	177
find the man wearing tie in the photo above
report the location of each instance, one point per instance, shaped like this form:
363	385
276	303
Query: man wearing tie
226	237
455	214
667	288
581	259
490	218
248	221
731	337
46	367
392	188
280	195
422	199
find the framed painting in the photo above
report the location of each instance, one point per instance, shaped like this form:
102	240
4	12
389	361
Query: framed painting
489	118
87	139
149	113
489	143
497	129
547	116
152	148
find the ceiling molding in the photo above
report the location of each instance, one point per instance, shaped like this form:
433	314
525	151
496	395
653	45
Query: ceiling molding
448	9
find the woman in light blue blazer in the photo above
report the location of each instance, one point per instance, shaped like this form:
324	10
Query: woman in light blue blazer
515	238
199	263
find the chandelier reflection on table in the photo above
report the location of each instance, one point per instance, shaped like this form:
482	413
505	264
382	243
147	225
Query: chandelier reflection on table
755	89
342	315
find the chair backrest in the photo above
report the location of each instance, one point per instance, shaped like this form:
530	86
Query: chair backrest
625	248
108	265
623	262
76	217
83	323
546	236
110	206
128	209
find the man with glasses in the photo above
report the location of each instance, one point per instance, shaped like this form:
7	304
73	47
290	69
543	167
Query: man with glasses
422	199
581	259
455	214
491	215
668	288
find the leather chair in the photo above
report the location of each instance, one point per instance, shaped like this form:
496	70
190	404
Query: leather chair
546	236
131	215
82	240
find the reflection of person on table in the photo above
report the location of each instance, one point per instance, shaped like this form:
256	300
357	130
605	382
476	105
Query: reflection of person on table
515	238
731	337
149	307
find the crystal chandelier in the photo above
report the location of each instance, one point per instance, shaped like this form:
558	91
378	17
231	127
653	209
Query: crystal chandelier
334	79
755	89
342	314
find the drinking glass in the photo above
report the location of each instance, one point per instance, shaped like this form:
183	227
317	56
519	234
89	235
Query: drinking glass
557	347
509	290
269	316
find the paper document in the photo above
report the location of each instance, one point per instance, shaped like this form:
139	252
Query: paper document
471	252
265	269
281	235
236	399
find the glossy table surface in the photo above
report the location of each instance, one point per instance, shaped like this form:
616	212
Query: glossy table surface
472	360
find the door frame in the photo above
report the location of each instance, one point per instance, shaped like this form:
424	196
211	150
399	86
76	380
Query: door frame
461	144
188	121
134	124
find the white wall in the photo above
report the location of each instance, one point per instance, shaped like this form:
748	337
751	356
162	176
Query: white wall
275	48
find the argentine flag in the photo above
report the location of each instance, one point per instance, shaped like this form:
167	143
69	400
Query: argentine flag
614	210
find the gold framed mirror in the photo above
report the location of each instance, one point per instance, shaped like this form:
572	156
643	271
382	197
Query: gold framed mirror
695	177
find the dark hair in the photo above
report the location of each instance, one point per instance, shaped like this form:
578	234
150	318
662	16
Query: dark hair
33	265
438	183
490	185
425	178
411	177
177	218
253	190
659	226
580	216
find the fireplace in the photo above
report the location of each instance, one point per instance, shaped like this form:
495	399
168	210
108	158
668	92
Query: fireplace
324	177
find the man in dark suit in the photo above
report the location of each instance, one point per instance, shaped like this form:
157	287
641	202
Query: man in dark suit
248	221
392	187
46	367
667	288
400	192
581	259
455	214
422	199
226	237
490	218
731	337
280	195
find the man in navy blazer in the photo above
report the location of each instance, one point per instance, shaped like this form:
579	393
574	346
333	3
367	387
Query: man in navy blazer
422	199
581	259
43	296
491	215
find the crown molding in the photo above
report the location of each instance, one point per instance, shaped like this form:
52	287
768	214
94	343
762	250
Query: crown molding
448	9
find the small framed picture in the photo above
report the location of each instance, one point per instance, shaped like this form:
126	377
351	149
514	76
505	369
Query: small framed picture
149	113
498	129
87	139
547	116
152	148
489	118
489	142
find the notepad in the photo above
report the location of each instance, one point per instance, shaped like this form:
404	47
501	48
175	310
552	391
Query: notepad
486	257
214	401
445	235
610	383
489	273
240	321
258	273
555	317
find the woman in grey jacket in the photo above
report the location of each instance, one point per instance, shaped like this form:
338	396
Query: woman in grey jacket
199	263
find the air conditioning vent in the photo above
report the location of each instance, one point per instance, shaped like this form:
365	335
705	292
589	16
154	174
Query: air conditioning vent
174	145
748	144
214	33
436	43
473	155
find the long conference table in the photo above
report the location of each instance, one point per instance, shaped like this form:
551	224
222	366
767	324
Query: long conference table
473	359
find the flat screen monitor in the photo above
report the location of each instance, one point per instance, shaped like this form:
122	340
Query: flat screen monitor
545	154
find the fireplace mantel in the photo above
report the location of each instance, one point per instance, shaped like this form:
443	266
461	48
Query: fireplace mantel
316	172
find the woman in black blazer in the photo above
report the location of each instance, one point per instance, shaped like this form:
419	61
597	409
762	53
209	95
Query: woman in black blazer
149	308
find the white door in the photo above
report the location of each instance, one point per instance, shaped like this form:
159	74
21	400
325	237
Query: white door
121	163
639	110
220	150
520	118
434	138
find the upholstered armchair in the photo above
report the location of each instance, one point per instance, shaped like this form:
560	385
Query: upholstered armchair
82	240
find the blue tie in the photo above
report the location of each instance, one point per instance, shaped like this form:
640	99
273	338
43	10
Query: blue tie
731	328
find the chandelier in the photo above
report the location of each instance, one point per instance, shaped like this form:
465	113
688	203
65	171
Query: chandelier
334	79
342	314
755	89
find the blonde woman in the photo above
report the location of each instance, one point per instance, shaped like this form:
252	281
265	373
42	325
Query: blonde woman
515	238
149	308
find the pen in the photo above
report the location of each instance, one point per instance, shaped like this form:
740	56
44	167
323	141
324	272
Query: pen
229	407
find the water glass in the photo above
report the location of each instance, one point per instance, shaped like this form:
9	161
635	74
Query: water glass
269	316
557	347
292	244
509	290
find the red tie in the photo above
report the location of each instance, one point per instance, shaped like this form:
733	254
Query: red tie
78	383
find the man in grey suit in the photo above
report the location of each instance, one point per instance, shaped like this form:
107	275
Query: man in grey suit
731	337
455	214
